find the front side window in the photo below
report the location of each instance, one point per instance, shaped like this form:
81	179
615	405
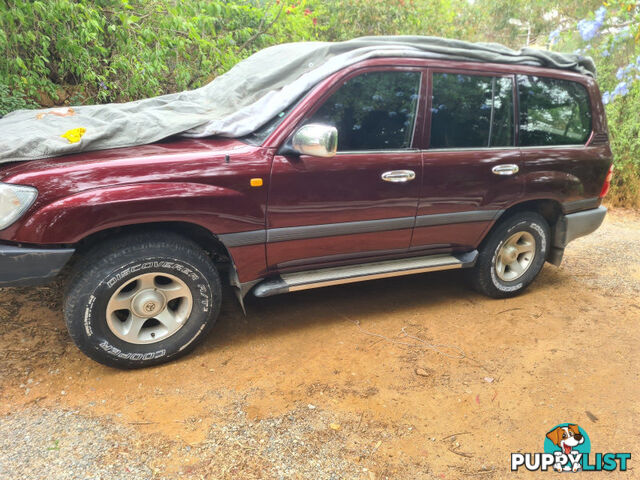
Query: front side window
471	111
553	112
373	111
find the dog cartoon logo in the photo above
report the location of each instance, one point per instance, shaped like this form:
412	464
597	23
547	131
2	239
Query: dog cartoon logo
567	448
567	441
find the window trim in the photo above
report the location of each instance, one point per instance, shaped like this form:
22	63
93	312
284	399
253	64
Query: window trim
540	147
420	105
477	73
481	149
379	152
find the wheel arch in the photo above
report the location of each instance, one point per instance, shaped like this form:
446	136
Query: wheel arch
205	239
550	210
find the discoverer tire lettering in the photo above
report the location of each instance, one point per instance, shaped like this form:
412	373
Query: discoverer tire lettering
485	278
109	266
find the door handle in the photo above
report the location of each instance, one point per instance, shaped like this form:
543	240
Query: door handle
398	176
506	169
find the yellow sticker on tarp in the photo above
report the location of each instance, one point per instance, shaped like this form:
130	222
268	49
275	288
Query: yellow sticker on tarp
74	135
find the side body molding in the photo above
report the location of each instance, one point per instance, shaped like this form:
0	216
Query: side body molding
274	235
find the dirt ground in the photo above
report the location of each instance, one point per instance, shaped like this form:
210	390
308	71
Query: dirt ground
405	378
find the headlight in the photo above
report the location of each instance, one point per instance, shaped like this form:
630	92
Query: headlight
14	201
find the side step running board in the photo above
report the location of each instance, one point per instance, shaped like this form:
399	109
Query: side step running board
290	282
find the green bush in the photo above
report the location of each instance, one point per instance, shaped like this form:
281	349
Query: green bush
78	51
346	19
623	116
10	100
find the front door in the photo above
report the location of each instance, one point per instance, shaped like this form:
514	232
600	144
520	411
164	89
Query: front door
362	202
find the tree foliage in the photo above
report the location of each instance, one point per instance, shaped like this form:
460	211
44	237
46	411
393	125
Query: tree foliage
79	51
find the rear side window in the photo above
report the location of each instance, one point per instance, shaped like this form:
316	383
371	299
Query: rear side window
552	112
373	111
470	111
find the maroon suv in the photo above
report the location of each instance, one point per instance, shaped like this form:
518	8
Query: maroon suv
391	166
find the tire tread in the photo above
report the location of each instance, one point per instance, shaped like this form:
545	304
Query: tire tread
90	268
479	277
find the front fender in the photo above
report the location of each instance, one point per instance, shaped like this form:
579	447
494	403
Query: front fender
70	219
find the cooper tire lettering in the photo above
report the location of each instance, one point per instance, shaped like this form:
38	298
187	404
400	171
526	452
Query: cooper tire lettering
484	278
119	262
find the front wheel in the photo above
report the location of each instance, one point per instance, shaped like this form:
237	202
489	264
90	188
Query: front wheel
511	256
141	300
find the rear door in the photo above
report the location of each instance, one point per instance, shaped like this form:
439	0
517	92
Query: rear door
471	163
362	202
555	124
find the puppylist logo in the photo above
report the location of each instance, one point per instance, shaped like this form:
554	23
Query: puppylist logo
567	448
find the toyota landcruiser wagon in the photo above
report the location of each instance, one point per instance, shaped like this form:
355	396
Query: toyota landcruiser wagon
389	166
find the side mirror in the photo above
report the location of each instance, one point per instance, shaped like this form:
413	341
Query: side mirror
316	140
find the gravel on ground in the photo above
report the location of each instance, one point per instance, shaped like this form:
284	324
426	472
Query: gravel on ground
405	378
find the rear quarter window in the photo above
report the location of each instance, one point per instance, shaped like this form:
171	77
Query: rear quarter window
553	112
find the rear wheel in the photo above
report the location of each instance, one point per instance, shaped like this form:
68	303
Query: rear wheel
142	299
511	256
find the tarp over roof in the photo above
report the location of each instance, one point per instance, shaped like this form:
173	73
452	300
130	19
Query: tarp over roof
240	101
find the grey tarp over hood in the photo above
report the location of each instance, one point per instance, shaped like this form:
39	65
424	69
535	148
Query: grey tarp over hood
243	99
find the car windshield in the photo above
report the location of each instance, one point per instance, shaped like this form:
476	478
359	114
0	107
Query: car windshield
260	135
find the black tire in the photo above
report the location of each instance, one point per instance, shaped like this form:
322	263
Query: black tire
484	277
109	266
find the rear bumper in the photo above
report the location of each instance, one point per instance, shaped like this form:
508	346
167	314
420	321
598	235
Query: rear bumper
579	224
572	226
23	267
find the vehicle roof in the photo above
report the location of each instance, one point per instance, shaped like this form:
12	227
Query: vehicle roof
504	68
